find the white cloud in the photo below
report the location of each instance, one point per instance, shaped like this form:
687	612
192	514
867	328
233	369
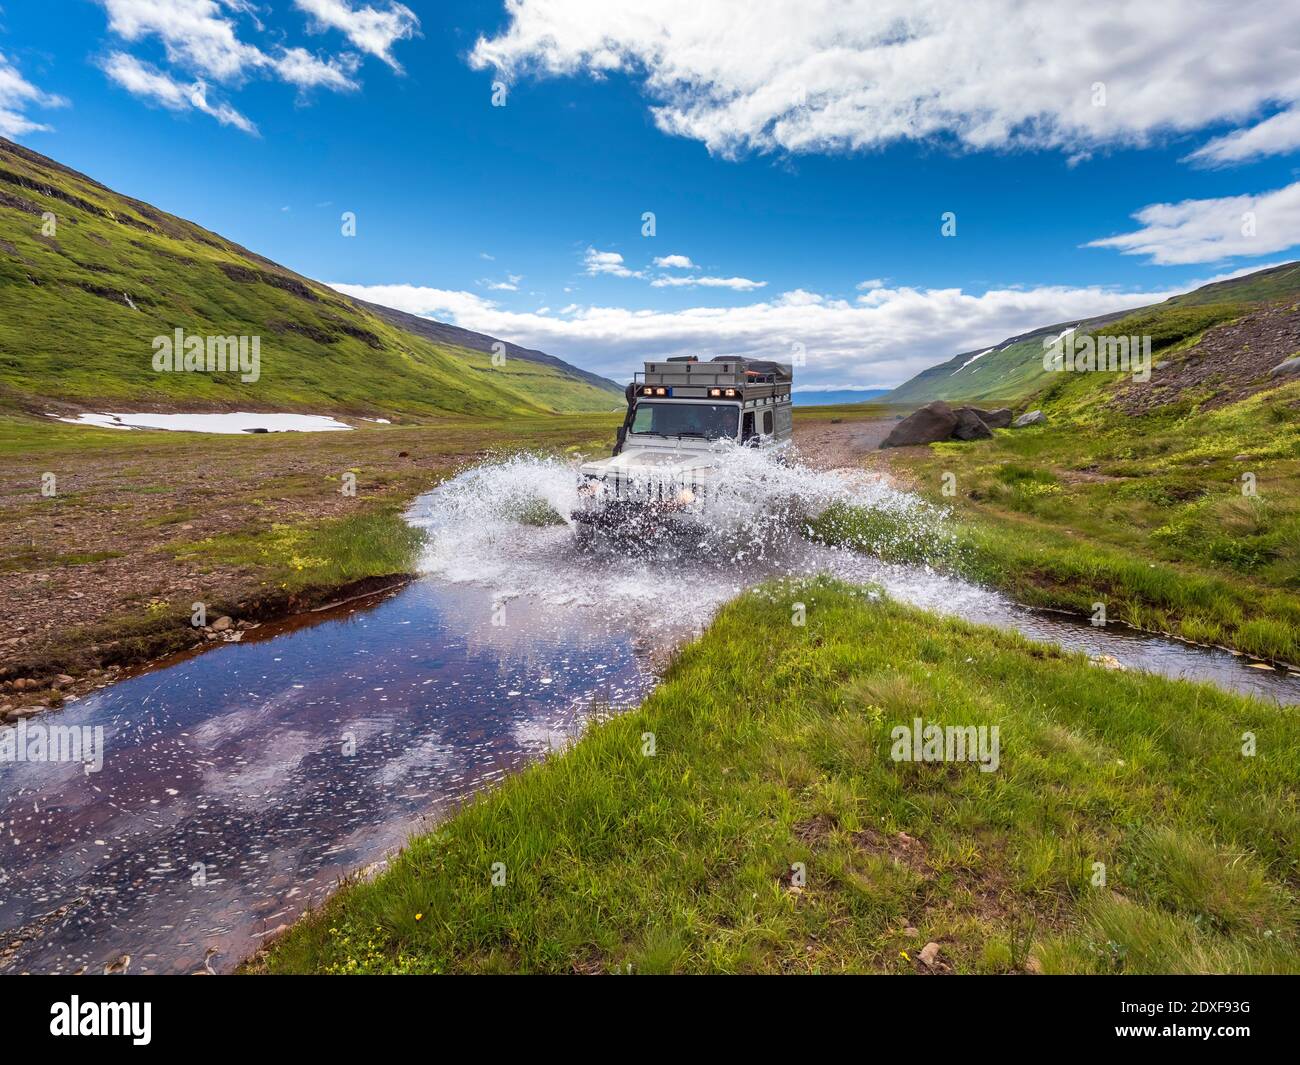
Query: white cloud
859	74
371	29
202	41
607	262
153	85
675	262
16	95
299	67
196	34
1273	136
879	339
740	284
870	283
1205	231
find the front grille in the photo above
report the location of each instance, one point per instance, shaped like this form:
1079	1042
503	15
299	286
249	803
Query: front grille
648	489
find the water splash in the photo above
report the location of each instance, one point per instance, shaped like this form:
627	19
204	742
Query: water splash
505	525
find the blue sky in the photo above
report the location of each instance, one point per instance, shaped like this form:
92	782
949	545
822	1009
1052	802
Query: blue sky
803	172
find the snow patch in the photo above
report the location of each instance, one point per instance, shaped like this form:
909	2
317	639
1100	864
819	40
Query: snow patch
971	360
238	422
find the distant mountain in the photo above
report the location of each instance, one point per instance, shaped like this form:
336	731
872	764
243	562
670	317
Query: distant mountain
442	333
833	396
89	279
1013	368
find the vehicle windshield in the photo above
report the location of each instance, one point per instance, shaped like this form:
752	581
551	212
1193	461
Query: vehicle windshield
711	421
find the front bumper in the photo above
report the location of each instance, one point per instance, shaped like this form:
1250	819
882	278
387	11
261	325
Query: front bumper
624	516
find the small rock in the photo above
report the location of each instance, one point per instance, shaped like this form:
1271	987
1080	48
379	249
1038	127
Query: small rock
929	955
1033	965
222	624
1240	458
1107	662
63	680
1033	417
403	454
911	932
23	711
1286	366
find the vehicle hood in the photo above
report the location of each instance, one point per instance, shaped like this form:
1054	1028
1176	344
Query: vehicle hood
653	461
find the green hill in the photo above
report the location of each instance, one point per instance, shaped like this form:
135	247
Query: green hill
1013	368
82	300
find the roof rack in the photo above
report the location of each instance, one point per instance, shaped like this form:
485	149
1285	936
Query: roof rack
686	377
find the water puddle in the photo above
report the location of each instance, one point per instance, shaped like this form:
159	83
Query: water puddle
239	784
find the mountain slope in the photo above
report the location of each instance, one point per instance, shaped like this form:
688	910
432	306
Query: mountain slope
454	335
1013	368
81	302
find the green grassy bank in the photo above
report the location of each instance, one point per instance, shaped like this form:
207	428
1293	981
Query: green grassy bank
1184	518
772	747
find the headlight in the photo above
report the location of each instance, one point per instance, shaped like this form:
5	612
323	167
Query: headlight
686	497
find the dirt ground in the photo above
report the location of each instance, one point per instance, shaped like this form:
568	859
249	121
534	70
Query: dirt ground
836	443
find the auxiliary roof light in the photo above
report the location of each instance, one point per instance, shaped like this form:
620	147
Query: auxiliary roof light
730	393
661	391
714	393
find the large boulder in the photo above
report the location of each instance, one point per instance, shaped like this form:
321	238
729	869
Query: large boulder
995	419
1033	417
1287	366
933	422
970	426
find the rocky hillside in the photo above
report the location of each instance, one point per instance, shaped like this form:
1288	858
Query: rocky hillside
89	278
1013	368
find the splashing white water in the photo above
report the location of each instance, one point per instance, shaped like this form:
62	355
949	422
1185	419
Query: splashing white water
505	526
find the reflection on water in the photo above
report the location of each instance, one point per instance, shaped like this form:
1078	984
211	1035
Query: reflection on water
238	785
